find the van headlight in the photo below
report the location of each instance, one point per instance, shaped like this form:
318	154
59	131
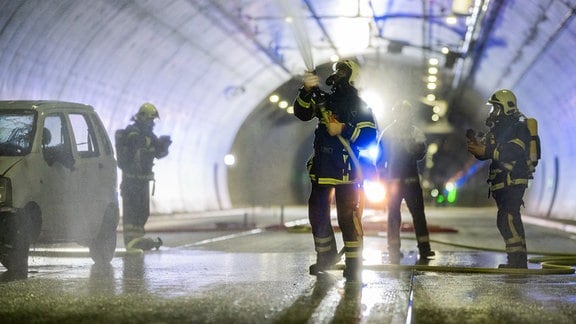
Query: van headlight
5	192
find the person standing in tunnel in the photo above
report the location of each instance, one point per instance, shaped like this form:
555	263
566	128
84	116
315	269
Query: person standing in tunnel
507	146
136	148
345	124
402	146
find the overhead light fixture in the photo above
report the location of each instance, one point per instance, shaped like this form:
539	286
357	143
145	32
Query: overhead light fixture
452	20
461	7
274	98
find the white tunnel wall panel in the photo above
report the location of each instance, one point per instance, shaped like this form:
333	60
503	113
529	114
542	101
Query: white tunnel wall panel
547	92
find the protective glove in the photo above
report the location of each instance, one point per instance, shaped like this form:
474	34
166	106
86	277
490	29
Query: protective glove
162	147
334	126
310	81
165	140
476	149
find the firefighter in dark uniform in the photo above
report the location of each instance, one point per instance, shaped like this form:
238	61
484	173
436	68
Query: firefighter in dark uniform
507	146
343	120
402	146
142	146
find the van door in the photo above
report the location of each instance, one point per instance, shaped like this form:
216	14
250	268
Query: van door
89	168
59	191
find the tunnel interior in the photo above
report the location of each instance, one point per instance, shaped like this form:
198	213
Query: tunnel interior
211	66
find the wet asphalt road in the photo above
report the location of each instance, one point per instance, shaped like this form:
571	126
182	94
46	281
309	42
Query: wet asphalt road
261	276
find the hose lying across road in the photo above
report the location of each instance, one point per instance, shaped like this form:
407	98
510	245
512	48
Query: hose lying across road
552	263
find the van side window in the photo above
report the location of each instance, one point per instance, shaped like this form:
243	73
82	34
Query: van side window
57	149
105	139
53	125
86	143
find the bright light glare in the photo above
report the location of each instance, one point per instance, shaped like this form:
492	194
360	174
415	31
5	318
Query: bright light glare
283	104
274	98
229	159
374	101
375	191
370	153
352	34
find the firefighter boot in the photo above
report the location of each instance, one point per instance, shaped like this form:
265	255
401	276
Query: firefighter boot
516	260
144	243
425	251
353	270
324	261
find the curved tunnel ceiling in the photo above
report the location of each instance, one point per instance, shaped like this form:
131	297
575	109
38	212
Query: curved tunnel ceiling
209	65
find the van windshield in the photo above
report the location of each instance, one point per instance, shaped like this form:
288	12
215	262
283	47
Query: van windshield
16	132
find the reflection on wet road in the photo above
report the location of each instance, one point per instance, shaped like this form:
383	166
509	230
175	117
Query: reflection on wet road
261	276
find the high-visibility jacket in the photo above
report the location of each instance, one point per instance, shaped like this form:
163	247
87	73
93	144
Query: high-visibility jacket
507	145
331	163
143	147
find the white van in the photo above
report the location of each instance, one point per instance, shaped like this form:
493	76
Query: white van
57	181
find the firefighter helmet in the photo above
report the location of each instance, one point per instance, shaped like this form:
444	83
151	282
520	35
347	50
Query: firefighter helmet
352	69
505	100
147	112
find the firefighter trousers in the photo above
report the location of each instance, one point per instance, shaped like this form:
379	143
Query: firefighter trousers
411	192
135	207
347	199
509	221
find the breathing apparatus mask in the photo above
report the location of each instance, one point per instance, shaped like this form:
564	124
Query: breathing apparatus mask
344	74
503	108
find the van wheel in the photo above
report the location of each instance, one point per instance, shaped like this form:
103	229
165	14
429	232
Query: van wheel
15	245
103	247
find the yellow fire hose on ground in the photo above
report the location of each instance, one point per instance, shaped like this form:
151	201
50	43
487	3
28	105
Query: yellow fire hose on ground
552	263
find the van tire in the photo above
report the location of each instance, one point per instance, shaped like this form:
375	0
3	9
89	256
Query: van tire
102	248
15	244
